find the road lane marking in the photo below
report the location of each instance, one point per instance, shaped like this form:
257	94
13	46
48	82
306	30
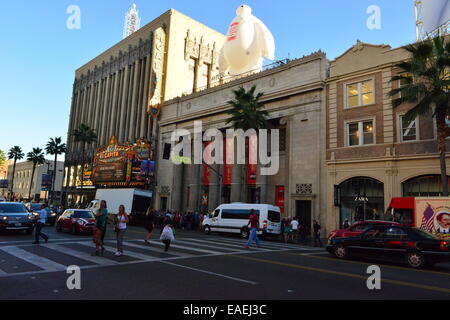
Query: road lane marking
345	274
81	255
209	272
36	260
266	244
368	263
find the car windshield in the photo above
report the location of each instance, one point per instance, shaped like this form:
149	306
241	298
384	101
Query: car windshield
425	234
83	214
12	208
35	207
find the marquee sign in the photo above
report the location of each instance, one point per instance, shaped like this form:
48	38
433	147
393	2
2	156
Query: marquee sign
156	80
123	164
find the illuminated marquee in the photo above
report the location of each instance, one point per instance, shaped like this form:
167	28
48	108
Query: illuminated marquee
121	165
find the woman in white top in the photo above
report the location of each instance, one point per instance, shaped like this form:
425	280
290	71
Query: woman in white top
121	227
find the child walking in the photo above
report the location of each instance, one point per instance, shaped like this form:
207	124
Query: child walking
167	236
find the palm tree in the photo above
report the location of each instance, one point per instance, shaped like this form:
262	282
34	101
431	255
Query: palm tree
247	112
427	80
86	136
55	147
37	157
16	154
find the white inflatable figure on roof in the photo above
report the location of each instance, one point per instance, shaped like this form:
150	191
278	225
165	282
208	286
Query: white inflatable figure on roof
249	41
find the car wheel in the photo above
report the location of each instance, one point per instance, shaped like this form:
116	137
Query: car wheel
73	230
58	227
340	251
415	259
207	230
244	233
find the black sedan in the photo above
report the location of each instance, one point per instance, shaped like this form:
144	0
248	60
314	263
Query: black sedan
393	243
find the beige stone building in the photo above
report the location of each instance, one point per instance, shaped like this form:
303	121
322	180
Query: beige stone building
294	96
116	92
22	180
373	152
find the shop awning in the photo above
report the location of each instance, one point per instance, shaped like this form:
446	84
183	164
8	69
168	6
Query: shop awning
402	203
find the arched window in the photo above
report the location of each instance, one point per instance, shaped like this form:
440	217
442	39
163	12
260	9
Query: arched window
361	198
423	186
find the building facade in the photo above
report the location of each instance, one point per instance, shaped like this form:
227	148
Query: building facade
373	152
294	96
41	184
119	93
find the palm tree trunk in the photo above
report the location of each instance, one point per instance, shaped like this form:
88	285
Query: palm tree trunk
31	182
12	180
54	178
440	121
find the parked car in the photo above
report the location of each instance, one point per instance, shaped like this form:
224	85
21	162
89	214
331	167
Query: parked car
359	227
15	216
51	214
415	247
234	217
76	221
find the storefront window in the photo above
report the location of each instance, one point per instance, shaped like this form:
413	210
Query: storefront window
423	186
361	198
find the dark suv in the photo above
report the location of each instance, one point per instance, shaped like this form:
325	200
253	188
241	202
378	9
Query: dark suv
15	216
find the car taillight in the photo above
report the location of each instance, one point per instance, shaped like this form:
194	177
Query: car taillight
443	246
265	224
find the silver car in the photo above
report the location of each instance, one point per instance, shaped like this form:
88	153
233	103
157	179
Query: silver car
15	216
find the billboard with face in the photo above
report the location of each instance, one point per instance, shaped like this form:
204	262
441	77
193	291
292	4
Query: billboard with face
433	215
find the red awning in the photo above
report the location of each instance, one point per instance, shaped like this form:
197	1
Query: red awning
402	203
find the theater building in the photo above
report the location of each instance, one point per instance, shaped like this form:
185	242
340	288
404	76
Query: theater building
120	92
294	96
373	152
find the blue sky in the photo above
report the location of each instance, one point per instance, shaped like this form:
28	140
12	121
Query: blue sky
39	55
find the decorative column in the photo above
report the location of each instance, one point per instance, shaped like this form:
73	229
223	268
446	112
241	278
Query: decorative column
123	106
144	116
114	108
134	98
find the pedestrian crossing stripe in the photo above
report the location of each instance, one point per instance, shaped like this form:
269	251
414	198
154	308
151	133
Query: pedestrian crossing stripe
80	255
196	247
43	263
149	248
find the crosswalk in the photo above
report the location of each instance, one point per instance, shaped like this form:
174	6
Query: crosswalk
25	259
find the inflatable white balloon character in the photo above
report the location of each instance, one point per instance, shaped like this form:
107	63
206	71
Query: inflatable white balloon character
249	42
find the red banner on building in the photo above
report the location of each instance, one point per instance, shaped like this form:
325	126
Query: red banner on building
252	166
207	158
279	198
228	151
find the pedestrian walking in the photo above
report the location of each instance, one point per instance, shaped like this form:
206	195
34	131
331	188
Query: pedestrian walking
294	230
346	225
149	224
254	225
317	227
287	232
303	233
42	219
121	227
100	228
167	236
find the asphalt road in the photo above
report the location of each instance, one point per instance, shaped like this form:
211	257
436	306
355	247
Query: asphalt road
200	267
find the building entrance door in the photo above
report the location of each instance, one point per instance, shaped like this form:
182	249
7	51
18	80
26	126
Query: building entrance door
303	213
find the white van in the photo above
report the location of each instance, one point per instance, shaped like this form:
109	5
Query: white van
234	218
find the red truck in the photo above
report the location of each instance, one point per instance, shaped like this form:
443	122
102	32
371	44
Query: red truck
429	214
